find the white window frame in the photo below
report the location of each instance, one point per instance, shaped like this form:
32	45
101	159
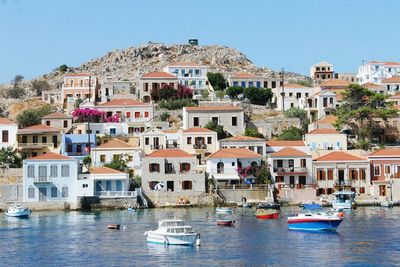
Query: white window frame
31	174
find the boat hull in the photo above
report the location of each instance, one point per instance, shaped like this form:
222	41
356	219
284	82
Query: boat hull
314	225
226	223
181	240
268	216
336	205
22	214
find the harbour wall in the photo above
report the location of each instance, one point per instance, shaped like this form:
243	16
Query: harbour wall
168	198
252	195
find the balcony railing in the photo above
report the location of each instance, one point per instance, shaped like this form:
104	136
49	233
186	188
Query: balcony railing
172	146
343	183
35	145
156	147
200	146
74	154
290	170
170	171
116	194
246	186
41	179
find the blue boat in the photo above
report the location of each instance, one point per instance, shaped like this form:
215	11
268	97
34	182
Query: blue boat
311	206
314	222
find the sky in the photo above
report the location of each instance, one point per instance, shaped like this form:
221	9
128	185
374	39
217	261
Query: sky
38	36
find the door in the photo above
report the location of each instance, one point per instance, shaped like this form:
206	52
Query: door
341	176
108	185
42	194
156	142
382	190
98	186
302	180
170	186
291	180
55	141
118	186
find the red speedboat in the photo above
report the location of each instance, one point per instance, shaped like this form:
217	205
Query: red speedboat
267	214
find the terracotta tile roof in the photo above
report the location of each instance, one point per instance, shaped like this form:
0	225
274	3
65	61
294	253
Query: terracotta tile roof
244	75
288	152
103	170
198	130
394	79
322	63
243	138
386	152
51	156
323	131
371	86
6	121
169	153
295	85
171	131
184	64
159	74
387	63
329	119
213	108
122	102
239	153
57	115
285	143
39	128
338	156
335	83
114	143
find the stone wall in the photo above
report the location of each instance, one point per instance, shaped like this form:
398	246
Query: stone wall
161	199
10	175
11	192
252	195
295	196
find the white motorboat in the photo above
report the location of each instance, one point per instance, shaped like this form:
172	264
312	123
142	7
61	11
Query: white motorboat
173	232
344	200
387	204
18	211
224	210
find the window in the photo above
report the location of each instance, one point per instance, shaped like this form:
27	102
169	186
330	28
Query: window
44	139
353	174
220	167
146	141
377	170
31	192
233	164
320	175
260	150
42	171
209	140
258	84
291	163
4	137
65	124
85	185
214	119
196	121
128	114
48	123
53	171
234	121
53	191
361	190
64	171
146	114
290	94
279	163
154	167
362	174
169	168
187	185
102	158
189	140
303	163
64	191
116	157
184	167
387	169
130	158
330	174
279	179
31	171
137	114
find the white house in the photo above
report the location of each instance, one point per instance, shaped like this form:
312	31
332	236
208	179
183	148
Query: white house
8	132
103	182
321	104
128	110
275	146
223	165
321	72
115	148
376	71
199	141
391	85
50	177
154	81
255	144
190	74
325	139
293	95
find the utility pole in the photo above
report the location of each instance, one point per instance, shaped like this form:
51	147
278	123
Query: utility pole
283	89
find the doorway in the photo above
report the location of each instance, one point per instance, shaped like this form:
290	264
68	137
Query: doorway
170	186
42	194
341	176
382	190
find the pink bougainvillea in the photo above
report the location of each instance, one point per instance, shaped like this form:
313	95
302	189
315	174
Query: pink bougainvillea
92	115
184	92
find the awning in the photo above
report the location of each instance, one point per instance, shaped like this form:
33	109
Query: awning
226	177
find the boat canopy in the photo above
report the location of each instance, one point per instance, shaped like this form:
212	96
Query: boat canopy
170	223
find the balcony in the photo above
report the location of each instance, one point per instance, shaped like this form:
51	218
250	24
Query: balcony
35	145
172	146
155	147
343	183
41	180
291	170
200	146
116	194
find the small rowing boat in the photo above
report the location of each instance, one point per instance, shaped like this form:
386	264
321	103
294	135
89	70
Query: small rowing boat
267	214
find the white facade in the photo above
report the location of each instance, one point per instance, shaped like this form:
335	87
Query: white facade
110	88
321	104
50	177
325	139
8	133
293	95
257	145
376	71
190	74
128	110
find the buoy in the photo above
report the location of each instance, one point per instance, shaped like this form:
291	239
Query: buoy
198	242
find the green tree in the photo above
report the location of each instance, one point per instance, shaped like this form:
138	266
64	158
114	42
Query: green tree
204	94
164	116
78	102
220	94
362	110
10	157
253	133
15	92
234	91
38	86
212	125
295	112
217	80
118	163
63	68
291	134
87	161
31	117
262	174
258	96
17	80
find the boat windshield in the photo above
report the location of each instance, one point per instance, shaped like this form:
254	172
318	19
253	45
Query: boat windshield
180	230
171	223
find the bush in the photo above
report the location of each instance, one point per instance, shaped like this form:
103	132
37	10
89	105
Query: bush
63	68
176	104
291	134
38	86
164	116
216	128
252	132
31	117
258	96
234	91
217	80
295	112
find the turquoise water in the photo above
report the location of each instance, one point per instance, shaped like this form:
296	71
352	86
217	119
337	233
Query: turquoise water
369	236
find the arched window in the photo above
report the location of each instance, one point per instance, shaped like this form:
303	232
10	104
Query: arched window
220	167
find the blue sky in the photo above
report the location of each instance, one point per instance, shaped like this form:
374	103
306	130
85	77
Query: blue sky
37	36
